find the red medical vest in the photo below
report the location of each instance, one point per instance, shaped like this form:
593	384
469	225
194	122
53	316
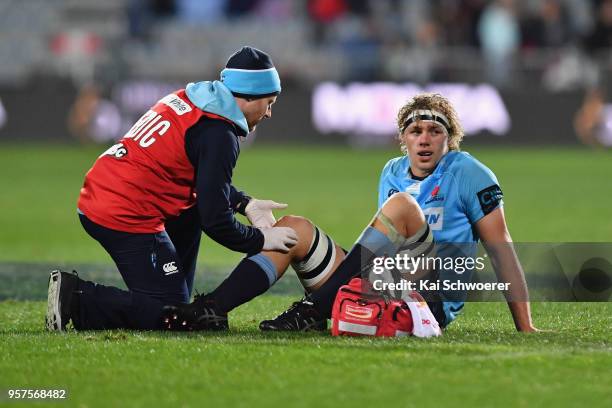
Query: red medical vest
147	177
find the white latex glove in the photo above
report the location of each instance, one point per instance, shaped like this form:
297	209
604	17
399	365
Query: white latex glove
279	239
259	212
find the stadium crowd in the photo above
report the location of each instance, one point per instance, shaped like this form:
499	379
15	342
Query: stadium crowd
399	40
560	44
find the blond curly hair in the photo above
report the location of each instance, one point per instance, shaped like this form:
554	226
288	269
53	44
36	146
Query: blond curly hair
431	101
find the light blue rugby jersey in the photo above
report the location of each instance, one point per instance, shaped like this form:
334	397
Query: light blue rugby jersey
459	192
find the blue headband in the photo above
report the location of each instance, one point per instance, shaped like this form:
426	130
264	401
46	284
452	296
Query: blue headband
251	82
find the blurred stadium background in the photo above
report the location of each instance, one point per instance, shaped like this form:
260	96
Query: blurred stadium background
519	71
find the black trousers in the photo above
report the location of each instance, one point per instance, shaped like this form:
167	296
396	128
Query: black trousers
158	270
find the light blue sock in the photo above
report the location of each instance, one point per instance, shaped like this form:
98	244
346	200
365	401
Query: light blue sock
376	242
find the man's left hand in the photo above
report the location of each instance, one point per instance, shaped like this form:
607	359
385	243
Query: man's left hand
259	212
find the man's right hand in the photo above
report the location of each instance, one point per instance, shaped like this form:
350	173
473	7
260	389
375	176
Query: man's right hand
280	239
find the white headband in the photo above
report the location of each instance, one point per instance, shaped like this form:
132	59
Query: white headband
427	115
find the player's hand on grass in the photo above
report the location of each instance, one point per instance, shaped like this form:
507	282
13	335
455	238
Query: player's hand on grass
280	239
259	212
532	329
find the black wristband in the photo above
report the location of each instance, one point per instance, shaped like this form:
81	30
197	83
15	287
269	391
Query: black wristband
241	206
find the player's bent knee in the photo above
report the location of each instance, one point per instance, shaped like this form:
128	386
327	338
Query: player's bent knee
302	226
401	202
404	212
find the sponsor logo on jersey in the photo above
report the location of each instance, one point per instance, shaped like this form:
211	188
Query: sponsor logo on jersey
170	268
434	217
179	106
435	196
391	192
489	198
434	199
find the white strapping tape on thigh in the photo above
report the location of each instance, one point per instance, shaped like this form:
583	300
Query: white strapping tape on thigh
421	239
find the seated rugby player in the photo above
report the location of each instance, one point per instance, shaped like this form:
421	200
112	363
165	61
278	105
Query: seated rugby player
432	191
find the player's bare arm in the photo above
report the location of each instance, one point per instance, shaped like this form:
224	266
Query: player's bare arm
496	238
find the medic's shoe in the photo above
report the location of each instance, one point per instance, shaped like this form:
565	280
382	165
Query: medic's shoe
60	298
201	314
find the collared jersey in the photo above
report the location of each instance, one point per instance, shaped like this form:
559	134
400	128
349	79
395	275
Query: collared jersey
459	192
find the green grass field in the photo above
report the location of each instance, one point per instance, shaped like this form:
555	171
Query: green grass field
551	195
